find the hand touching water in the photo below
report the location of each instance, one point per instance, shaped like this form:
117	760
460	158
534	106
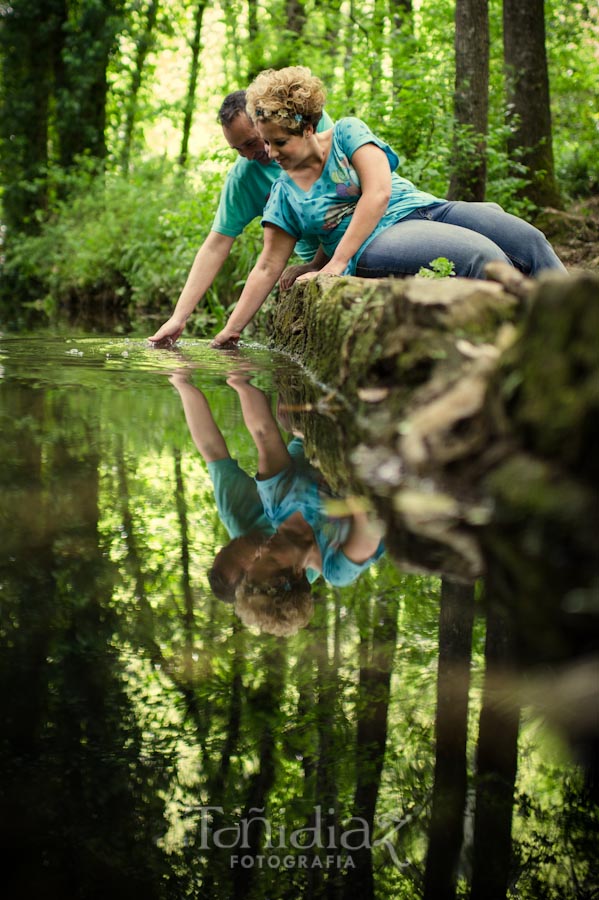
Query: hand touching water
168	333
225	339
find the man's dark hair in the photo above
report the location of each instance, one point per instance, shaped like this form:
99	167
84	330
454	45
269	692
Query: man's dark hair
222	587
232	106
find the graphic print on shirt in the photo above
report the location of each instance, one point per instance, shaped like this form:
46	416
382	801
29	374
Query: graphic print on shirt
336	214
347	184
346	179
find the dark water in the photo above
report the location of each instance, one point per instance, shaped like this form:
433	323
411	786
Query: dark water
152	745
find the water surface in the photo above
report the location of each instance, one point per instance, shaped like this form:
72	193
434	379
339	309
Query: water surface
154	746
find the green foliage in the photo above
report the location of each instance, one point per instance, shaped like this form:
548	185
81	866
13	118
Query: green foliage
131	240
572	36
135	240
133	698
556	851
439	268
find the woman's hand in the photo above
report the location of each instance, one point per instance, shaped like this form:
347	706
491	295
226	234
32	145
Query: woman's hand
331	268
225	340
168	333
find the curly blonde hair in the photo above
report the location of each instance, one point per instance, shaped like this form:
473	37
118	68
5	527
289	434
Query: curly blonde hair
272	609
290	97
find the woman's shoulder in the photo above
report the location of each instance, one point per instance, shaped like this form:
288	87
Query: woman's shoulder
280	188
350	123
349	130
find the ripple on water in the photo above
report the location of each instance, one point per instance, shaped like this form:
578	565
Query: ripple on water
89	360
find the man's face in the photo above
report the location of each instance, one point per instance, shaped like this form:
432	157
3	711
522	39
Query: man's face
242	136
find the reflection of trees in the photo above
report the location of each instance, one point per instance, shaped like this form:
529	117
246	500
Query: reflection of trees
128	698
81	807
265	707
496	766
378	631
446	829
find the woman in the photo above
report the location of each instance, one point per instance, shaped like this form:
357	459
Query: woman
340	186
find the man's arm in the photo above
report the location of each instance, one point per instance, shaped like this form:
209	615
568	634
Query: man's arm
206	266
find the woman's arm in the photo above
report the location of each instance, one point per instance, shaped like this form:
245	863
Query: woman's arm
278	247
273	455
363	539
372	168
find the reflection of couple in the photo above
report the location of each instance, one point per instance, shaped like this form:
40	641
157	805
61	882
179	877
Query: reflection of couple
282	536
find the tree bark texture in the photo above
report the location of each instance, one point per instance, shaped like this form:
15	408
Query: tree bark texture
90	31
471	100
194	68
451	730
496	765
27	54
528	105
144	45
468	411
377	649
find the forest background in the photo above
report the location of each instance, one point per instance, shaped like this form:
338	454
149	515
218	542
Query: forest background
111	160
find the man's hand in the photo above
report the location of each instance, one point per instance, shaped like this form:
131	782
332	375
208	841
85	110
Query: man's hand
292	273
170	332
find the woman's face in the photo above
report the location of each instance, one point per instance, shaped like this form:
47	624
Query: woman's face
285	148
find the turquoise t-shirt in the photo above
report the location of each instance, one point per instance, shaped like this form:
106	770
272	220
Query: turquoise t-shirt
300	487
245	193
237	500
324	211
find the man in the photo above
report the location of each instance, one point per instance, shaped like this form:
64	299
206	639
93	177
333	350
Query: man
243	197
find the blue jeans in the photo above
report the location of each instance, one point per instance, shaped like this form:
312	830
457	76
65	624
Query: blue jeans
468	234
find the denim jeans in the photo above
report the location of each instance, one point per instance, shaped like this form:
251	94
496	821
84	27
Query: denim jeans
468	234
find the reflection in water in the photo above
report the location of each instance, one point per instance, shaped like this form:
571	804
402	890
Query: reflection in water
283	533
153	746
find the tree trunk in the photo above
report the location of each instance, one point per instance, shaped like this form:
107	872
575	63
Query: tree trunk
377	646
348	59
254	50
471	100
144	45
528	105
330	46
401	46
194	68
26	54
472	437
451	728
376	53
267	713
188	615
81	81
497	762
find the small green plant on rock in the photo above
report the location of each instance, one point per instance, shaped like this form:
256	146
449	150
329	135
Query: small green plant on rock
439	268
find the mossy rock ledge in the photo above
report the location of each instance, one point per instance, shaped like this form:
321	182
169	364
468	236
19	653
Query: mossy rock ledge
468	412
